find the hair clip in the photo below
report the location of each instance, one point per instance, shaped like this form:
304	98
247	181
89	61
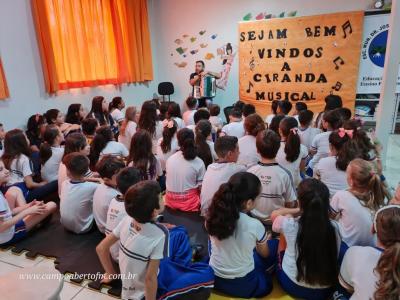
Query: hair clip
294	130
168	123
342	132
382	209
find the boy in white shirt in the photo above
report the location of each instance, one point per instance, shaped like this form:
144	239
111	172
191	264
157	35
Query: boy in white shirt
218	173
76	199
306	132
235	126
277	183
126	178
187	116
107	167
215	120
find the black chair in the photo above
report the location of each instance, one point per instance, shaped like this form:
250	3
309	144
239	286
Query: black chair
166	89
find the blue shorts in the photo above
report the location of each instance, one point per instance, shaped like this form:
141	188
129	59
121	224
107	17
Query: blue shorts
19	233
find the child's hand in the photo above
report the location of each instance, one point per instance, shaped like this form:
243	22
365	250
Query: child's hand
169	226
107	278
36	209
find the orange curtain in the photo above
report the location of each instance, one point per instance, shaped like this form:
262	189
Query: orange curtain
92	42
3	84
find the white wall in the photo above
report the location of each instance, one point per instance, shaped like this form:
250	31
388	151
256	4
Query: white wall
169	19
22	66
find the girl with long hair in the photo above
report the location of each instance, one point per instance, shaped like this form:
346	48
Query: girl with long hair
353	209
100	112
331	170
185	172
75	114
51	153
205	147
142	158
292	154
115	108
374	272
168	144
174	112
309	264
149	121
249	156
234	235
128	127
104	144
34	131
54	116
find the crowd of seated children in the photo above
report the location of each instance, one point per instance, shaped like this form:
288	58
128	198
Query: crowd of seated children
249	156
246	182
107	168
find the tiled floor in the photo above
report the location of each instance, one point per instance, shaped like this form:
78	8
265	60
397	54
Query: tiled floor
10	262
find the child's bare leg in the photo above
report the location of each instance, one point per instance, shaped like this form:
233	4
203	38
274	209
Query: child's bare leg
32	220
14	197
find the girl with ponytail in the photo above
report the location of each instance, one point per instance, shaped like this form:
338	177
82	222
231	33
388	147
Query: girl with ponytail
292	154
309	267
205	147
239	270
168	144
185	172
354	208
374	272
51	153
331	170
249	156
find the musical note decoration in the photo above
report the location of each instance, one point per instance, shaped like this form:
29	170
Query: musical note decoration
338	60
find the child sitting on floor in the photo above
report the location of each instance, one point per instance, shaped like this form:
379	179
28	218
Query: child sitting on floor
159	259
239	270
89	127
188	116
76	199
219	172
309	264
185	172
54	116
235	126
174	112
299	107
274	108
204	143
51	153
277	183
128	127
126	178
306	131
107	167
215	119
168	144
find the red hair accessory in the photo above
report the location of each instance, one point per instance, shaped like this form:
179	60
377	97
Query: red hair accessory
342	132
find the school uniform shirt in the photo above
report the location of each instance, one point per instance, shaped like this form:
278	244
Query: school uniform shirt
62	176
164	156
115	214
101	200
5	215
136	249
277	189
320	143
216	122
179	122
307	135
115	149
156	136
76	205
183	175
358	271
158	169
334	179
289	227
130	130
216	174
355	220
192	128
49	170
213	153
20	168
292	167
188	117
248	151
234	129
269	118
117	115
233	257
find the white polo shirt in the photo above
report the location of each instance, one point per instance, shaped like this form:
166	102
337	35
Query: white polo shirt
216	174
117	115
5	215
234	129
130	130
358	271
320	143
277	188
307	135
62	176
116	212
49	170
20	168
292	167
183	175
233	257
248	151
164	156
115	149
101	200
334	179
180	123
355	220
136	249
76	205
188	117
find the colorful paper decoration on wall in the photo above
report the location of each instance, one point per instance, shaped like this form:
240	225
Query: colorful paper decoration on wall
300	59
181	50
193	39
203	45
247	17
178	41
202	32
264	15
181	64
209	56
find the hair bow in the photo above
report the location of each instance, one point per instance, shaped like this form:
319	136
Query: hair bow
168	123
294	130
342	132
